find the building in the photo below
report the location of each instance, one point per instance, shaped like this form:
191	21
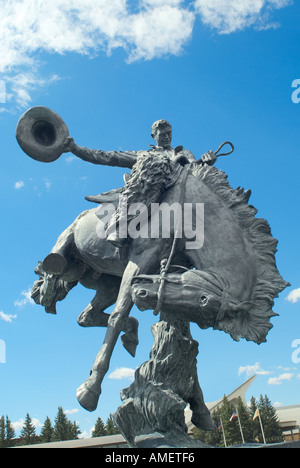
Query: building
289	420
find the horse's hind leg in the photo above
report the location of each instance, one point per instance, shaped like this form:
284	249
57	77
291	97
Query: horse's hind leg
94	316
107	288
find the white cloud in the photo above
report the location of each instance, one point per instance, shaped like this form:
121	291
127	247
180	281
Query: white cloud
26	299
294	296
72	411
70	159
22	84
278	380
150	29
6	317
20	184
250	370
48	184
2	92
228	17
18	425
122	373
156	28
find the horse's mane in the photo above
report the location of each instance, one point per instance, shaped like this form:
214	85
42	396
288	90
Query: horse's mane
253	324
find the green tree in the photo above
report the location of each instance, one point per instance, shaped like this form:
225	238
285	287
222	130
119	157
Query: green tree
47	431
64	429
256	430
9	433
269	420
272	430
99	429
2	432
251	428
28	434
246	421
61	427
74	430
231	428
111	427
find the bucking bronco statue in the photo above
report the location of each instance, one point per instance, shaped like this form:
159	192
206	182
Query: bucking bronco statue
209	261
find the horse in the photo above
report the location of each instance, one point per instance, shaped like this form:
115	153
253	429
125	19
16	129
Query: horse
237	246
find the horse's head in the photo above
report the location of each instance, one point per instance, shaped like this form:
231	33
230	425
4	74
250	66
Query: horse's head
49	289
194	295
203	298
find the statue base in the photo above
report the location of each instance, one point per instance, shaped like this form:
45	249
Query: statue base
163	386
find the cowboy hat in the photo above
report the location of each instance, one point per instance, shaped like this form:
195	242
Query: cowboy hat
41	134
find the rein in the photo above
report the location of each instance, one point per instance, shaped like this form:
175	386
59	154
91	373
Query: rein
166	263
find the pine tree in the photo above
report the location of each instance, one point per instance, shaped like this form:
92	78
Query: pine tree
9	433
74	430
99	429
246	421
61	427
64	429
251	428
231	429
47	431
256	430
28	434
272	430
111	427
2	432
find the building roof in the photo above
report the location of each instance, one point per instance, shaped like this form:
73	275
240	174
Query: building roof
113	441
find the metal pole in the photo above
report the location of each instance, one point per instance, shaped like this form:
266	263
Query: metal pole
223	433
240	426
262	429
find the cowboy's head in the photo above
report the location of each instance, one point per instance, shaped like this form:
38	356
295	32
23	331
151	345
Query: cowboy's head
161	131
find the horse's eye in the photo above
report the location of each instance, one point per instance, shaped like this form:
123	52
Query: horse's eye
203	299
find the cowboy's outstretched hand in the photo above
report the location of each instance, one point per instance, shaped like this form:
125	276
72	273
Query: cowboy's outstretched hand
69	145
209	158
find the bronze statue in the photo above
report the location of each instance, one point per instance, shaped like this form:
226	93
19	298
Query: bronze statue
215	266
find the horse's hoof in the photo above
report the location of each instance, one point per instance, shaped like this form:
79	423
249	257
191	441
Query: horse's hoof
130	344
130	339
55	264
87	398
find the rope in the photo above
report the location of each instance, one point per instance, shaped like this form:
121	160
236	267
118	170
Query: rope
165	263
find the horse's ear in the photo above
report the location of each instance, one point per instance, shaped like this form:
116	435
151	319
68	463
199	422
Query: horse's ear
39	269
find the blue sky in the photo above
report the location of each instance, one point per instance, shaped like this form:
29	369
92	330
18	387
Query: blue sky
216	72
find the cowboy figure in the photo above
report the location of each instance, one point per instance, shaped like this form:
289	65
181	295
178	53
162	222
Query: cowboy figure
153	170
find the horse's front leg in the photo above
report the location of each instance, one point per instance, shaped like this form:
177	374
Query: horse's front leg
89	392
